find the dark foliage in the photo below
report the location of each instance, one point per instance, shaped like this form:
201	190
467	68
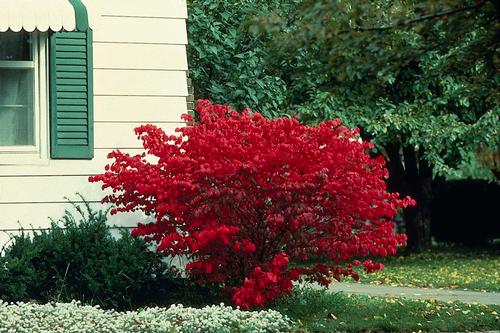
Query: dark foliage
466	212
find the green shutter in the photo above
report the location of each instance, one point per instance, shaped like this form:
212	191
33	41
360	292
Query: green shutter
71	97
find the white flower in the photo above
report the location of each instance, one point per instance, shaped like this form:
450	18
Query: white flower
75	317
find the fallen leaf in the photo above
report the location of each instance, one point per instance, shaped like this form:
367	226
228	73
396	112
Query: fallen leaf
331	316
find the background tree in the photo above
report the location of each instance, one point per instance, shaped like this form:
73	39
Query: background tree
420	78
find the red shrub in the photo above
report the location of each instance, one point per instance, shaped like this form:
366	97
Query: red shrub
242	195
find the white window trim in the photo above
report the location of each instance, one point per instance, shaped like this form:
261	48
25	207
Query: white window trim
37	154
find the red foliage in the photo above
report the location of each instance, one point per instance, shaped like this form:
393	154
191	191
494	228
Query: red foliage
241	195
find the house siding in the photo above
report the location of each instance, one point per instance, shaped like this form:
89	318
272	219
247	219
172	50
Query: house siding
139	77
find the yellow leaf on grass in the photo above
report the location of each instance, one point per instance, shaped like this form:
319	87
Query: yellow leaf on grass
332	316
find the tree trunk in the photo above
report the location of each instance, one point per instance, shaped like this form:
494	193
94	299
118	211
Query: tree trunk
410	175
418	218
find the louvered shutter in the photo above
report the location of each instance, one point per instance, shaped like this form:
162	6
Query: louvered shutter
71	97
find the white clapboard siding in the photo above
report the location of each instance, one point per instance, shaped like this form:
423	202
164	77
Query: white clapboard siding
140	56
140	83
37	215
47	189
65	167
22	189
150	8
139	77
139	109
141	30
121	135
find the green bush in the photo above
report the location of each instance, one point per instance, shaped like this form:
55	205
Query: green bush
230	64
234	60
81	260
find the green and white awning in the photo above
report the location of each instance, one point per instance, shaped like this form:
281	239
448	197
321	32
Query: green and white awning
43	15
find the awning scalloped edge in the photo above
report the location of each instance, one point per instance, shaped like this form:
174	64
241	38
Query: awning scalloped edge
43	15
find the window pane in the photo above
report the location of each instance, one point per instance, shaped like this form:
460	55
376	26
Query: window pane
16	107
15	46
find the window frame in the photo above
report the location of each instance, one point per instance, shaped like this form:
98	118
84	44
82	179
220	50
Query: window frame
39	152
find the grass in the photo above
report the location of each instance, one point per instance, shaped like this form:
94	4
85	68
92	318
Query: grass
442	268
320	312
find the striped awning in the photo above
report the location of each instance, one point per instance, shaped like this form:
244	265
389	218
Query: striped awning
42	15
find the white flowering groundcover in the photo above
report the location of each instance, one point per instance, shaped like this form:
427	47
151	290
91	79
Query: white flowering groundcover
75	317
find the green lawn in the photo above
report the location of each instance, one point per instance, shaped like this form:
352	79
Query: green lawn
321	312
442	268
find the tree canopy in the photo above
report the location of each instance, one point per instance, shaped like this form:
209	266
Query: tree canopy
419	73
420	78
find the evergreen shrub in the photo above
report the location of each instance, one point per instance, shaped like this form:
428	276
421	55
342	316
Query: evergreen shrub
82	260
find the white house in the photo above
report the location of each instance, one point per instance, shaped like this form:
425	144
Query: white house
76	77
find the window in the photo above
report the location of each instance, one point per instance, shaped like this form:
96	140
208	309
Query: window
23	98
16	90
46	82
